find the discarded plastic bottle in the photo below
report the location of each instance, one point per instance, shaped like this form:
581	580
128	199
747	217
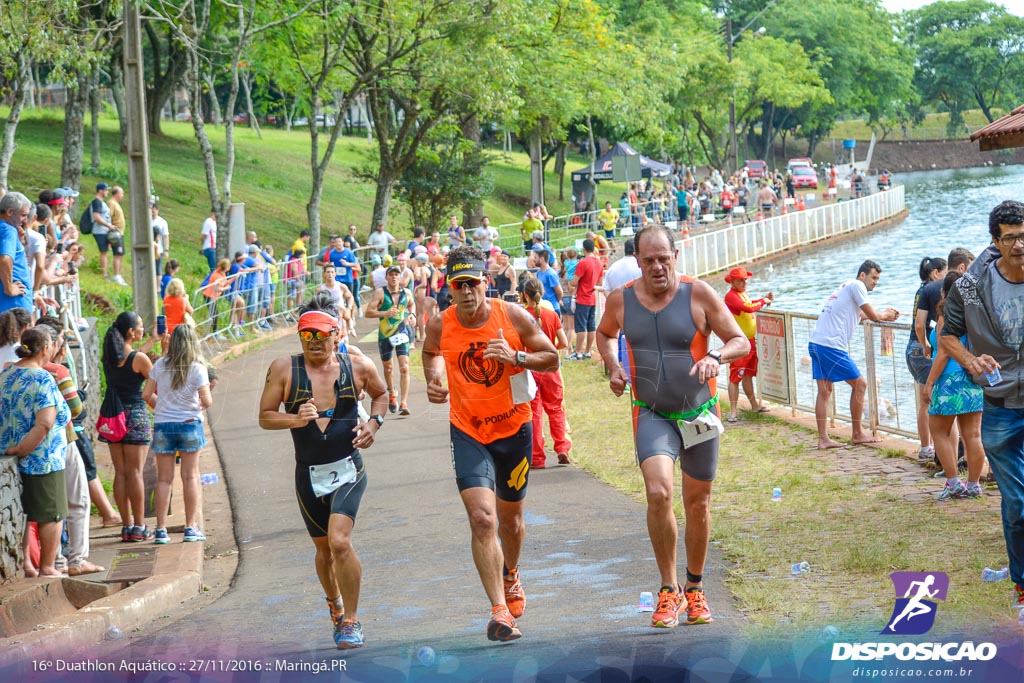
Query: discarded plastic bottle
113	633
426	656
993	575
776	495
828	634
801	568
210	478
646	602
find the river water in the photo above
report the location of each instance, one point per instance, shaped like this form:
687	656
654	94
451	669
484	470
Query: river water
947	209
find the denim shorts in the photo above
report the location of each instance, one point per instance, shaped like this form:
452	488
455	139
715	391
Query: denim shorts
172	437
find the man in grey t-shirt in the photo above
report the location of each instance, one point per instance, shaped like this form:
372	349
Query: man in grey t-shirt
102	225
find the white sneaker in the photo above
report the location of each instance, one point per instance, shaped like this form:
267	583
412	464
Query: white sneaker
120	280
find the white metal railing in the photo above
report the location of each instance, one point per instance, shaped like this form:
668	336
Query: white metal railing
878	349
723	248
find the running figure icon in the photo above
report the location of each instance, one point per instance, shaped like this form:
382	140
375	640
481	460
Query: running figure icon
916	605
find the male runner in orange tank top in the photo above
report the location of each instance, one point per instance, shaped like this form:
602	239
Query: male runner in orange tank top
486	346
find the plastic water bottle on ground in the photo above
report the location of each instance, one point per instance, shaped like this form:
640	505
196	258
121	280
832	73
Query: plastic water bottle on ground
776	495
801	568
113	633
210	478
646	602
426	656
828	634
993	575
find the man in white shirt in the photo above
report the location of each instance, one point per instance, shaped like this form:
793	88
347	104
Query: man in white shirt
379	240
485	236
623	271
830	354
208	239
161	236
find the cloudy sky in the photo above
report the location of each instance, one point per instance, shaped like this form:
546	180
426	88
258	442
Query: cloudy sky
1014	6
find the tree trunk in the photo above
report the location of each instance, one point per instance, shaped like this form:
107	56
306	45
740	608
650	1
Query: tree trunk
560	170
74	131
195	103
536	166
253	123
592	202
94	120
21	95
117	91
165	79
472	211
382	199
211	88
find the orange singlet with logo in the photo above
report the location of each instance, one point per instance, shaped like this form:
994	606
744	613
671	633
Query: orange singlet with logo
479	389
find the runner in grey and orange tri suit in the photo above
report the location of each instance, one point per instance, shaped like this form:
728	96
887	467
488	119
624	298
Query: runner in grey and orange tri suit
667	321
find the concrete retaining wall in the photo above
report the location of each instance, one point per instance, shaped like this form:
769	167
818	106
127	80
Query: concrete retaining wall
12	519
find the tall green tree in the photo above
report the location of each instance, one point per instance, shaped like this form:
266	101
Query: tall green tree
63	36
970	54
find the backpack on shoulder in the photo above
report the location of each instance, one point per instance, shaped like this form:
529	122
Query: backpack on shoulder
85	221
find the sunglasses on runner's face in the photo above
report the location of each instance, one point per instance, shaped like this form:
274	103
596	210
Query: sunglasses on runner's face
313	335
467	283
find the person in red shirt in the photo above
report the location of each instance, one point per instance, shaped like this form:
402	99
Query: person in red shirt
549	398
745	369
589	274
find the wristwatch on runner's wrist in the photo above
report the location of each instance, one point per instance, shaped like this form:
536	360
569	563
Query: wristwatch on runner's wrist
520	358
716	355
379	419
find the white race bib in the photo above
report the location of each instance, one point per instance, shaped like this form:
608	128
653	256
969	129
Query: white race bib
524	387
704	427
399	339
327	478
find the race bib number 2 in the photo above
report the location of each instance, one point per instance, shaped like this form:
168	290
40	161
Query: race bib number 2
704	427
326	479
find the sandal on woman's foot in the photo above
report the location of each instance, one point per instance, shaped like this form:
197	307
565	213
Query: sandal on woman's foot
764	409
113	521
732	418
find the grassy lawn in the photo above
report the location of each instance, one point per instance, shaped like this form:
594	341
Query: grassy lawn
853	528
859	130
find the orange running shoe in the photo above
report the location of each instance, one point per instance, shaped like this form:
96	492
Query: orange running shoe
337	610
515	598
502	626
667	614
697	611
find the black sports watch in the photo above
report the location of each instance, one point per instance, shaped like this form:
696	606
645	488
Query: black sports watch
379	419
716	355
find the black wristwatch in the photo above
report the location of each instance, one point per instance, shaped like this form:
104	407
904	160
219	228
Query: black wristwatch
716	355
379	419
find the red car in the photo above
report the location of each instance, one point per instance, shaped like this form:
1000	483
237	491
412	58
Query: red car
756	168
804	177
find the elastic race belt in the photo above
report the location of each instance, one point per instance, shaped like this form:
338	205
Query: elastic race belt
689	415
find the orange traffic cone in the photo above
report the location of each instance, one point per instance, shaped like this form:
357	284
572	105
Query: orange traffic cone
802	205
759	217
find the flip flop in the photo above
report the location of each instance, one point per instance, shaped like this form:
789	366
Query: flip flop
733	419
764	409
85	568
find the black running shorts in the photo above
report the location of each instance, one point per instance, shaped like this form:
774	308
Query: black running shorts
502	466
317	511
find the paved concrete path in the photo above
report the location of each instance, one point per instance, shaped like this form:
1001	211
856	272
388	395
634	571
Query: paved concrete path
585	561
